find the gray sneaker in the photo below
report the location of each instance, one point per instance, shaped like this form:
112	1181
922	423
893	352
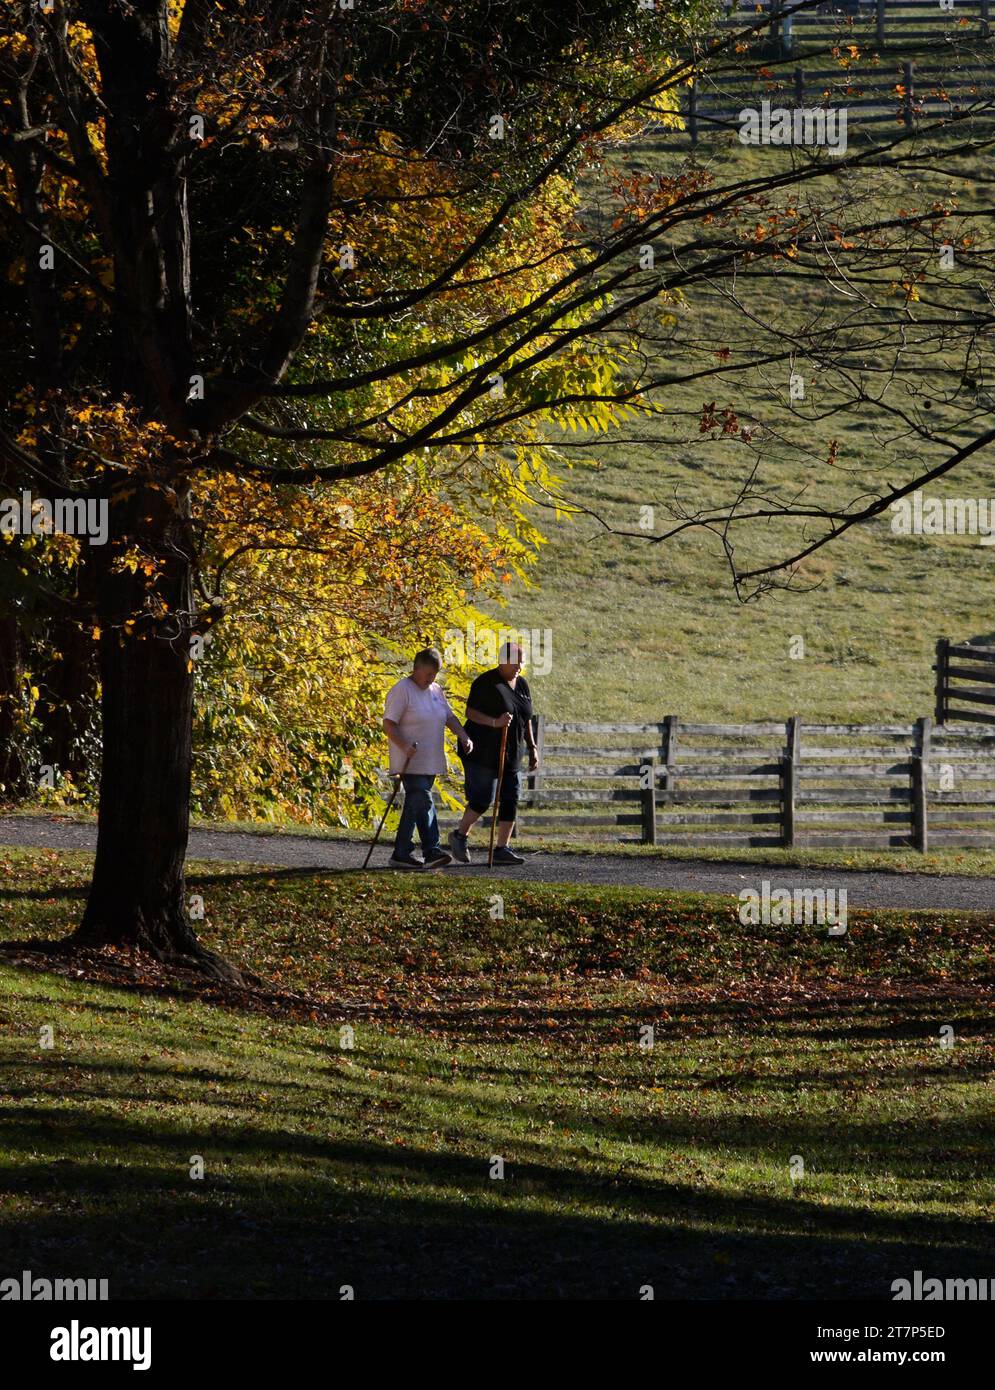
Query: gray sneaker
460	848
504	855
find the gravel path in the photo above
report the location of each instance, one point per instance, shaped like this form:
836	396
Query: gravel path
300	852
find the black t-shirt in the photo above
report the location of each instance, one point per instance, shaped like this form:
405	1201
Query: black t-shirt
492	695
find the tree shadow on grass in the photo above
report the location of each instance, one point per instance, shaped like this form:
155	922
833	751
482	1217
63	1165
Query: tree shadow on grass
902	1016
40	894
401	1222
909	1012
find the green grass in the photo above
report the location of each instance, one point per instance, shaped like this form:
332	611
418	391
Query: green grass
640	630
518	1038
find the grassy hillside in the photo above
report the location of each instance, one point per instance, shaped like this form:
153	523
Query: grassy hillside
478	1038
641	629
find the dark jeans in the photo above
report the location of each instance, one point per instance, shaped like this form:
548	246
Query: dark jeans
418	811
480	782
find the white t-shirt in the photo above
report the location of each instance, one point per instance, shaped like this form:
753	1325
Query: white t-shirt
421	716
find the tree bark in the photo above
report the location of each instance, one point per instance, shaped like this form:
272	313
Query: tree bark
138	893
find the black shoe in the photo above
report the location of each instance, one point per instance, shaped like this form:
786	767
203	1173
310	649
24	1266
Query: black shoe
409	863
438	859
504	855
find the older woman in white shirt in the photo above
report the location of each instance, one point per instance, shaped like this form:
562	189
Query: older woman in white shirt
416	716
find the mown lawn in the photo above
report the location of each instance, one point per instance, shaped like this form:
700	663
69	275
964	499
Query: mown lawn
640	629
477	1037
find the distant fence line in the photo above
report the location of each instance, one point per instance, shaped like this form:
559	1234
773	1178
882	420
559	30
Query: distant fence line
929	83
909	93
881	22
771	784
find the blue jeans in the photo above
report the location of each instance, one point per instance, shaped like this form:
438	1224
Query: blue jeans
418	812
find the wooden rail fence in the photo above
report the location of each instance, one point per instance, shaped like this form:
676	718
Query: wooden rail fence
765	784
870	23
965	676
930	63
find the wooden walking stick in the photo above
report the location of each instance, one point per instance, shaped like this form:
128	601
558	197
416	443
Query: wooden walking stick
389	805
497	794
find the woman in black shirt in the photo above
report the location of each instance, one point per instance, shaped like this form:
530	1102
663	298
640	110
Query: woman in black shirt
498	699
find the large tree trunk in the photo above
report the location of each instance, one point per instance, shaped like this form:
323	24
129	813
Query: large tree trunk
138	893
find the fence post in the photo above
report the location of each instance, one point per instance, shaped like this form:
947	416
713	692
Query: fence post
907	70
649	805
693	112
984	19
670	751
879	37
799	88
942	669
920	770
775	23
789	781
924	735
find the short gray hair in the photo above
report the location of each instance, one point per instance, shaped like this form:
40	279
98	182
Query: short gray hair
429	656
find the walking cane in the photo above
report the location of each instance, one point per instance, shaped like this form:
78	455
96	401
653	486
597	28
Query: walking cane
389	805
497	794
